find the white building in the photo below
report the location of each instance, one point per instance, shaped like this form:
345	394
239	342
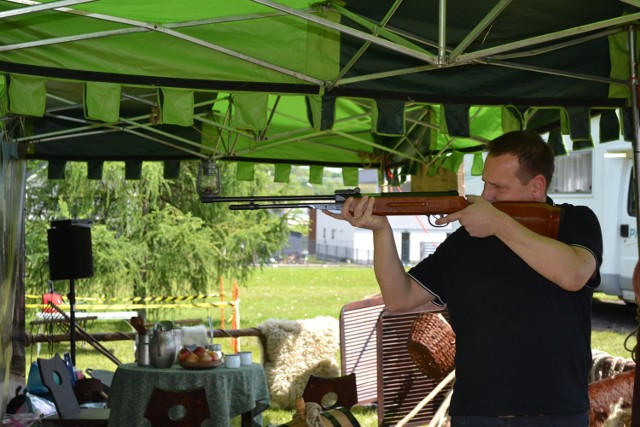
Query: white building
337	240
415	238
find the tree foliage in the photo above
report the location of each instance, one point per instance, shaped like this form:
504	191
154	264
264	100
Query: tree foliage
151	236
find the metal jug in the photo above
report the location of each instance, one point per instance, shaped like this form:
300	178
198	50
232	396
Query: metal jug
142	353
162	349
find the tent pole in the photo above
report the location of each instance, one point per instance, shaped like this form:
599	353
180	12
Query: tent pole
636	120
635	407
442	32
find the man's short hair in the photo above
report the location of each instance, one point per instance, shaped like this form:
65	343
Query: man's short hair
534	154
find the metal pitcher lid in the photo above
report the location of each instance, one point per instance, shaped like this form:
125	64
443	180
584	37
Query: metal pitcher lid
164	325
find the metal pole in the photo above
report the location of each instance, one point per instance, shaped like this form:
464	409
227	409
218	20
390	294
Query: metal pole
72	322
635	407
442	33
636	120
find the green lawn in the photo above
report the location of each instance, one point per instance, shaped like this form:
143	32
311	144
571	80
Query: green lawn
295	292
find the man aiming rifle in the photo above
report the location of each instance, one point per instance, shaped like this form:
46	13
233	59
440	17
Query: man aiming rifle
519	302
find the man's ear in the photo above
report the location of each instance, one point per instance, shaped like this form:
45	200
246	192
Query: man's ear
539	186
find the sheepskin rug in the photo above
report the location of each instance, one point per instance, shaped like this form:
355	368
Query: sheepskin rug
297	349
620	415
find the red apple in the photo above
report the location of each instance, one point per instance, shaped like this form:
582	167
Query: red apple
183	353
205	357
199	351
191	358
214	356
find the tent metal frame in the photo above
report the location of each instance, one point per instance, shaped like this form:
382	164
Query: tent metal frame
135	125
436	55
380	34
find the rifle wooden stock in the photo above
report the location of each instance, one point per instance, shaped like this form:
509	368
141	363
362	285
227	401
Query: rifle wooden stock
542	218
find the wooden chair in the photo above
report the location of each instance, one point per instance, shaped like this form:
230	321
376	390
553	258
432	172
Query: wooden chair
321	390
56	377
178	408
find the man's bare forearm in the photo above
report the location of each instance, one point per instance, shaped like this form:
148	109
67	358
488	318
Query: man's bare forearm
398	291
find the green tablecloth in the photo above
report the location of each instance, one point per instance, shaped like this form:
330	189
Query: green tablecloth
230	392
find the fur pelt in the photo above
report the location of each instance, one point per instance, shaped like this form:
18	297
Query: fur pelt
297	349
620	416
604	365
605	394
194	335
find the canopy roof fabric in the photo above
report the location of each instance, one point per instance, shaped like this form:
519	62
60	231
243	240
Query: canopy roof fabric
361	83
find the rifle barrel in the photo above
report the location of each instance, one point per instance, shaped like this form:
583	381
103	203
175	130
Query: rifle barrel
339	197
255	206
262	199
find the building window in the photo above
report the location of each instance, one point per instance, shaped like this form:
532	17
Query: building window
573	174
406	247
426	249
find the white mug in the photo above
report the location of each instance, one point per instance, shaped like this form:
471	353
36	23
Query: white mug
245	358
232	361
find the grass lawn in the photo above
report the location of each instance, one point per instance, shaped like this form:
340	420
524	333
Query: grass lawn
292	292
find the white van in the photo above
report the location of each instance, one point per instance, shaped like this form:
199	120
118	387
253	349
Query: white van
601	179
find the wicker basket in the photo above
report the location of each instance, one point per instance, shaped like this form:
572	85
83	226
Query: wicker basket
432	345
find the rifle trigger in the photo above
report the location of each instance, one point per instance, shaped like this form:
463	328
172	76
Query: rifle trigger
430	220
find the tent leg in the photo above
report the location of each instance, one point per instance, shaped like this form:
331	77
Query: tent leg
635	406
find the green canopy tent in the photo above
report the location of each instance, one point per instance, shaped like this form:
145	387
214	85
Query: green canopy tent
342	84
358	83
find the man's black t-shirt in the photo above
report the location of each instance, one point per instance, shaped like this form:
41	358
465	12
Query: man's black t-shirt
523	344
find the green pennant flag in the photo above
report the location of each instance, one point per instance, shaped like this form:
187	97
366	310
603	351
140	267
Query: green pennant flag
27	95
177	106
102	101
315	174
245	171
282	172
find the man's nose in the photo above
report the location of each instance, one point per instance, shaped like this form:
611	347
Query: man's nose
487	194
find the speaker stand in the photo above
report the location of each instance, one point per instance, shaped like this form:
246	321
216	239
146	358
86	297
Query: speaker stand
72	319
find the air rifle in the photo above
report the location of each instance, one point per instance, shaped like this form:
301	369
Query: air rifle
539	217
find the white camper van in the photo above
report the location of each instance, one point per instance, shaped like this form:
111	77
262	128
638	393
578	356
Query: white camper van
599	178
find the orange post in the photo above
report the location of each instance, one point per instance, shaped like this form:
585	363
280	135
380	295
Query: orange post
221	300
235	320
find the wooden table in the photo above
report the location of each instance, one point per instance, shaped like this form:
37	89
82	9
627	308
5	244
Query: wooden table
230	392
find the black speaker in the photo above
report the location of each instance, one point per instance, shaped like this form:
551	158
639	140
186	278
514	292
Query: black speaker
70	253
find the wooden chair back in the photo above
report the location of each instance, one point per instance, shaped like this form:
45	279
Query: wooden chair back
332	392
177	408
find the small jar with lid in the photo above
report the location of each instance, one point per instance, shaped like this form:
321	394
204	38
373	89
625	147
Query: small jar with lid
217	348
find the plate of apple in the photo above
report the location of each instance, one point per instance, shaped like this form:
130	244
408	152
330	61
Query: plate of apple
198	358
